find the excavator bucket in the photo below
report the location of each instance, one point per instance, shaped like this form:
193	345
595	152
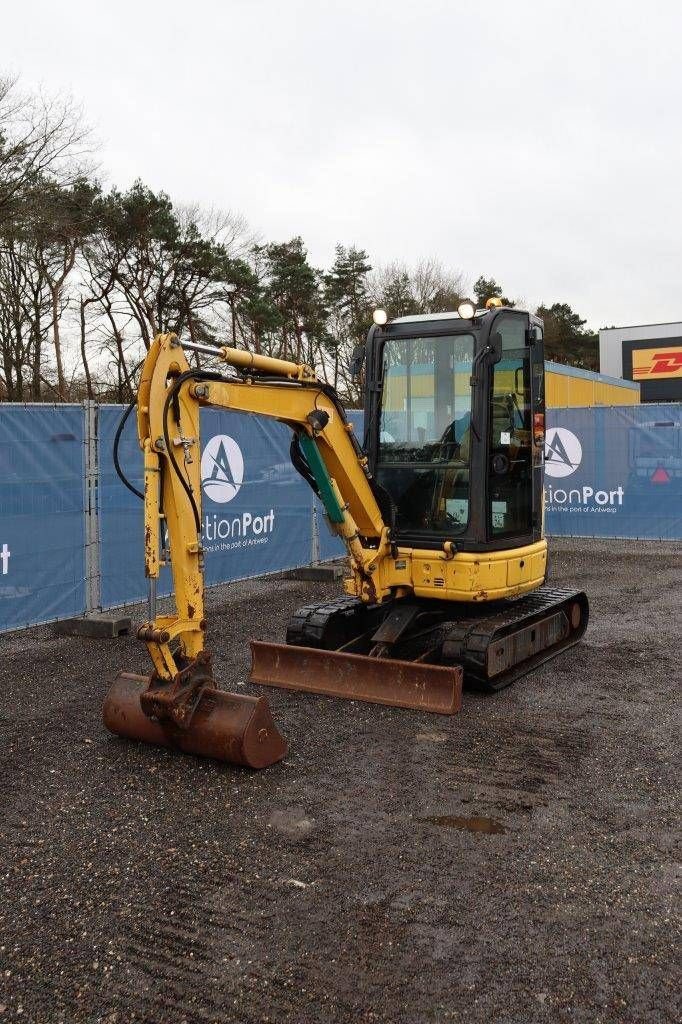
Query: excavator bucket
224	726
400	684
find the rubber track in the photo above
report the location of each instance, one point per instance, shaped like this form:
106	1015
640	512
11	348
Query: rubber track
309	625
467	643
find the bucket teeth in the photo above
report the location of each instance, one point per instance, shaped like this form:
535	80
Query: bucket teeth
402	684
228	727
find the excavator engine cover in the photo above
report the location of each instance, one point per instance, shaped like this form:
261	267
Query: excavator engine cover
224	726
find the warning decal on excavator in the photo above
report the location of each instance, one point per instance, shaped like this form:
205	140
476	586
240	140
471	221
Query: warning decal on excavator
656	363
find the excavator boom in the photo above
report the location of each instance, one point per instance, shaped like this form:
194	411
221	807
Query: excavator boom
179	704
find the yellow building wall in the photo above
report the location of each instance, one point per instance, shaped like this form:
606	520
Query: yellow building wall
561	389
575	392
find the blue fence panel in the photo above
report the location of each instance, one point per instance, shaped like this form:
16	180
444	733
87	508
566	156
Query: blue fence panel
330	545
610	472
614	472
121	514
256	508
42	514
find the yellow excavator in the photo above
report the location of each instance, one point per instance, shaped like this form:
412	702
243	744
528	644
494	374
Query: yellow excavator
440	510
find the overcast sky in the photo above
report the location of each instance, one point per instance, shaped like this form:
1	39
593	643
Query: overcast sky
536	141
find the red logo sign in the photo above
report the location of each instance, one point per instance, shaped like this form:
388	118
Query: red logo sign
656	362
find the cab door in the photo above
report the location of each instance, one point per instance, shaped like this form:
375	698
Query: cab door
515	412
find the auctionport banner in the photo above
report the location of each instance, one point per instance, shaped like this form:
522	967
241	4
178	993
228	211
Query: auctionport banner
120	514
610	472
42	518
256	508
614	472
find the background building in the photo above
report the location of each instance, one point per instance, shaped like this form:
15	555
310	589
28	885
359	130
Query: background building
571	386
650	354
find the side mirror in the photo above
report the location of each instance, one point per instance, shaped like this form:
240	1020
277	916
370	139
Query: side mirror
357	360
533	335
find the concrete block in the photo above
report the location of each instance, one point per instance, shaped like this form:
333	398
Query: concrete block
317	573
100	626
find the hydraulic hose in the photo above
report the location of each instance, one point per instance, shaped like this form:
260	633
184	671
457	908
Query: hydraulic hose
300	463
200	375
117	440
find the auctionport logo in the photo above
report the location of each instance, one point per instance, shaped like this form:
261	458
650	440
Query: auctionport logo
563	455
222	475
563	452
222	469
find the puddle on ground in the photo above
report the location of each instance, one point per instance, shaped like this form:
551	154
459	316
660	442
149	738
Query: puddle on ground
473	824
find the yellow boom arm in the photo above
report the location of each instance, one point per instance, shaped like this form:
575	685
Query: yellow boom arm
169	401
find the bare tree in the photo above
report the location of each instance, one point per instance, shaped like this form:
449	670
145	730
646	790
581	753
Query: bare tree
429	287
39	136
223	227
437	289
43	147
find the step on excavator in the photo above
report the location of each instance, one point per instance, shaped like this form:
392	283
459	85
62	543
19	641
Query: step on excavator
440	510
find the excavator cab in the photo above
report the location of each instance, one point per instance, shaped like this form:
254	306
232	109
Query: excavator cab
440	509
450	407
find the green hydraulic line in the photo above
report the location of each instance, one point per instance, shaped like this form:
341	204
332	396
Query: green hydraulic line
322	478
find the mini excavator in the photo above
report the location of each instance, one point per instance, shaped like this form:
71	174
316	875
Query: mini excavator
440	510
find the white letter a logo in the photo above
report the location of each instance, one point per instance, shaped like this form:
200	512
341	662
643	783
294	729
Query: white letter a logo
222	468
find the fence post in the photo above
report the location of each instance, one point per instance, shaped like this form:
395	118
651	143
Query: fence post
92	623
93	589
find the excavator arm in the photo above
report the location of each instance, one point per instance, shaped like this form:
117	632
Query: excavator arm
170	398
179	705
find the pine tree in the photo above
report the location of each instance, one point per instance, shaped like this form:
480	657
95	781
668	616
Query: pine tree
349	310
488	288
295	289
566	340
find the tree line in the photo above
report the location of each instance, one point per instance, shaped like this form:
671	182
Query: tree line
89	275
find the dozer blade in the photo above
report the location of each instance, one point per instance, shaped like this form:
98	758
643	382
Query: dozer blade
400	684
225	726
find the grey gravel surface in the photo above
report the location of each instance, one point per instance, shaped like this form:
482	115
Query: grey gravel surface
516	863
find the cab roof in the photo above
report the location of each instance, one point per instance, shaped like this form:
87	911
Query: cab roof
420	318
425	318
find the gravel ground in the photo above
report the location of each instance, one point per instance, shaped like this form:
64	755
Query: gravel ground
350	883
